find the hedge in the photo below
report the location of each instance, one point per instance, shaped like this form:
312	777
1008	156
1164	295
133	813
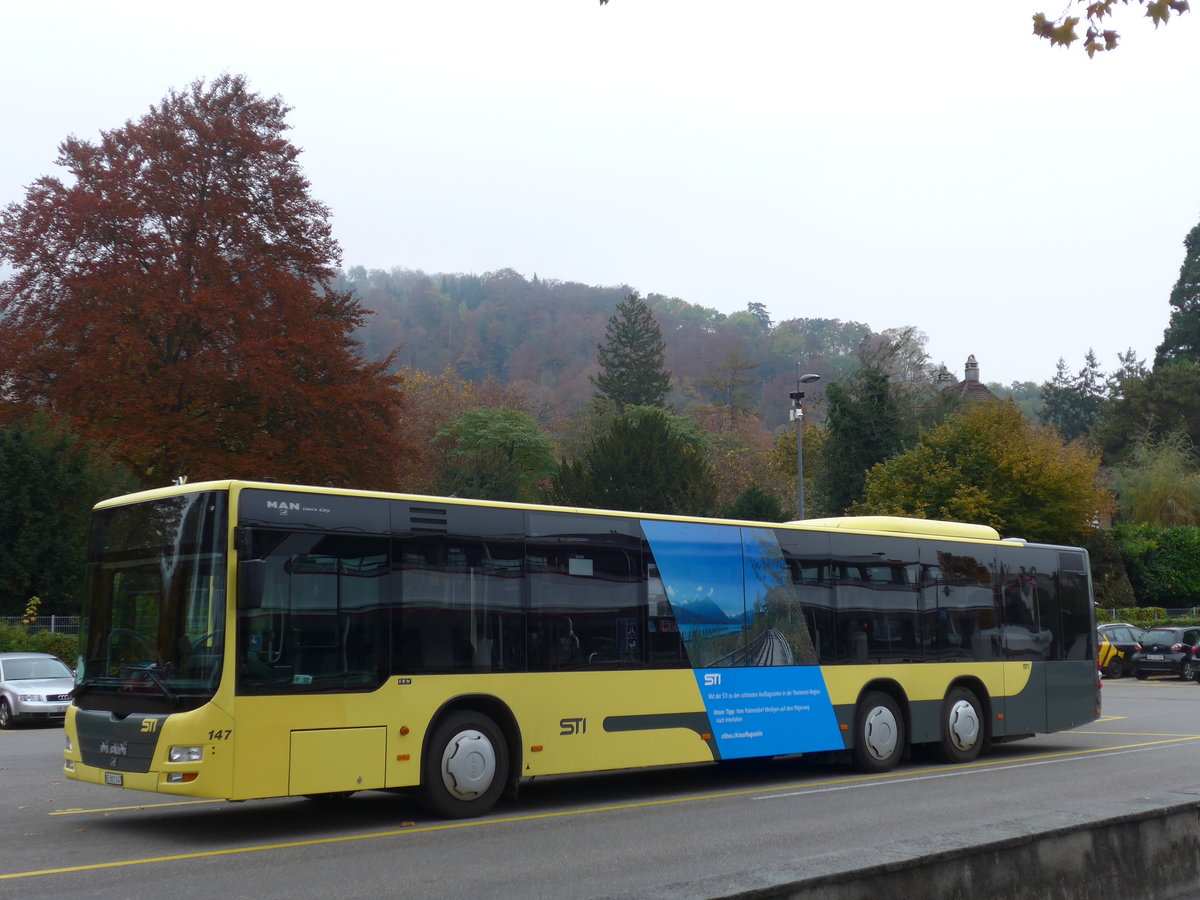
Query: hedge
19	638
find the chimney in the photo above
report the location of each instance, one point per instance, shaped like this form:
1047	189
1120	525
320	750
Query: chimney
972	368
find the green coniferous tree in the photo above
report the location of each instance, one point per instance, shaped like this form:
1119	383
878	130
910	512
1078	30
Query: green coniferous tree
632	357
644	462
865	425
1073	404
1181	340
1165	401
51	479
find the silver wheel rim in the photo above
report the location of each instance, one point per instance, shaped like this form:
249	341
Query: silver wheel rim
468	765
963	725
880	733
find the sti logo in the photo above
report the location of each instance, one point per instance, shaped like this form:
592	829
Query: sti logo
712	679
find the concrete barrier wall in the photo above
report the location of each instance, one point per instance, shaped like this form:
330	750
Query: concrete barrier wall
1152	854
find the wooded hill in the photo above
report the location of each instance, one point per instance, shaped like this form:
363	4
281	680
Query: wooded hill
540	336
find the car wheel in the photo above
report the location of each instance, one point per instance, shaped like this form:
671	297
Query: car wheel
1114	669
1140	675
1185	672
6	718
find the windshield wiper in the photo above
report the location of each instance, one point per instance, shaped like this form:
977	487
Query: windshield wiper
151	673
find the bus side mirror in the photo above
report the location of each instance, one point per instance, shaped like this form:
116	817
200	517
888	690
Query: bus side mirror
252	576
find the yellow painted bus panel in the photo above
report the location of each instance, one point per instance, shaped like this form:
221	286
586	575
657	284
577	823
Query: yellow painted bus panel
922	681
308	744
336	759
562	714
264	745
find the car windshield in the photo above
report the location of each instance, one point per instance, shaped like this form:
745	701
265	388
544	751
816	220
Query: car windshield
155	619
29	669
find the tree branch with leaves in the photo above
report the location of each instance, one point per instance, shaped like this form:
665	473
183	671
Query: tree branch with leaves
1098	14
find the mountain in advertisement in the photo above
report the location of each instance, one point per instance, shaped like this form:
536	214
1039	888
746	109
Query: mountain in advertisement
704	612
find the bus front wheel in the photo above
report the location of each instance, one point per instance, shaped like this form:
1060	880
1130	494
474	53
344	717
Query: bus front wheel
963	727
878	733
465	766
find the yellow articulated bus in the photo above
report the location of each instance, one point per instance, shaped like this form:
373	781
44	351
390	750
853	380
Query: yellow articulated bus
247	640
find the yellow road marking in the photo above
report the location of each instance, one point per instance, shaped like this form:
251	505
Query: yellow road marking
533	817
75	811
1166	734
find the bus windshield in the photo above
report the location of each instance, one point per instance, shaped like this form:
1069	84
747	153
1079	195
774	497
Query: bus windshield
154	626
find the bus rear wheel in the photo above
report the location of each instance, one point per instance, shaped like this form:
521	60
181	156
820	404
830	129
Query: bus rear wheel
963	727
465	766
878	733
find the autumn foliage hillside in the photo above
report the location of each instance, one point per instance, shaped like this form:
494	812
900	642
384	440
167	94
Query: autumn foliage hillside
540	338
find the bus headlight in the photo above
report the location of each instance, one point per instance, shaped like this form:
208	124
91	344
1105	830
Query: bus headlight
185	754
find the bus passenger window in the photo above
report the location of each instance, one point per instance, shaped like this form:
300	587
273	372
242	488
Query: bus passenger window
322	622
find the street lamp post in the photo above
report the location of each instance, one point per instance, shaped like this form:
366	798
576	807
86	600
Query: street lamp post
798	415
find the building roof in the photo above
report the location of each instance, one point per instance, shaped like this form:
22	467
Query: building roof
970	388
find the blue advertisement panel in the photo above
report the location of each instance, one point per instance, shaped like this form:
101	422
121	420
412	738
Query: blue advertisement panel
702	574
732	594
769	711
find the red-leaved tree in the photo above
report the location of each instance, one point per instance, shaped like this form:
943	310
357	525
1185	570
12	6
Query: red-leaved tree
173	298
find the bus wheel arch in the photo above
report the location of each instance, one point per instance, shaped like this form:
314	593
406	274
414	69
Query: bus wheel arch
881	727
964	722
470	758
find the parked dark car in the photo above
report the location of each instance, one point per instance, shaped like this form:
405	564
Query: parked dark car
1167	651
1125	640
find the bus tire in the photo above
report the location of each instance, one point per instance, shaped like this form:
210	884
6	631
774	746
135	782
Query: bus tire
465	767
964	731
879	738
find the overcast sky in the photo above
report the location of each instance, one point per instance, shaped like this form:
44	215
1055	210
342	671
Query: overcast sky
928	163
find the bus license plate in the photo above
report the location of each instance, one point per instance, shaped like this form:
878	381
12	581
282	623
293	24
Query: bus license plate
113	778
1154	657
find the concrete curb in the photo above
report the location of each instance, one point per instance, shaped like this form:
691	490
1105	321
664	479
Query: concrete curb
1149	854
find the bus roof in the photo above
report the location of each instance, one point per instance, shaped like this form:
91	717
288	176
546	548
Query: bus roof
873	524
905	525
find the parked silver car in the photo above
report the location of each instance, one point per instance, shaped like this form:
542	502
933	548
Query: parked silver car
33	686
